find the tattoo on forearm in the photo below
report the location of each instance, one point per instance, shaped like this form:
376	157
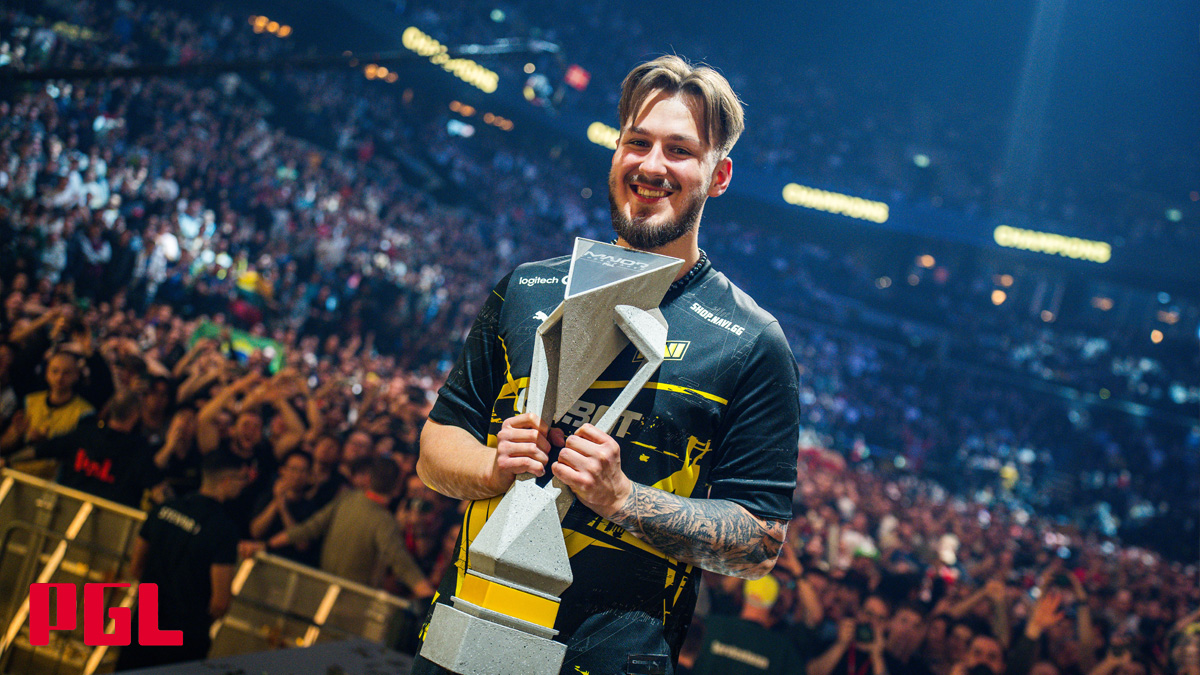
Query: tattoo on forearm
715	535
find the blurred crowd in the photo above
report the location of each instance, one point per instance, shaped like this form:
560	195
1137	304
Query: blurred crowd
181	276
894	575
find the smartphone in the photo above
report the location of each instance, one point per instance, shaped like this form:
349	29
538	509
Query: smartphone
864	633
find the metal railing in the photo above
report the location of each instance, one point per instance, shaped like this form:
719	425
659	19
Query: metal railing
54	534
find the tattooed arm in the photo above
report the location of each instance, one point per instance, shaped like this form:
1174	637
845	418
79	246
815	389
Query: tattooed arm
712	534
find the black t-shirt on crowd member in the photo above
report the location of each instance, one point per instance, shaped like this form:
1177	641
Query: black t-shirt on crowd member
719	420
99	460
264	468
187	536
300	510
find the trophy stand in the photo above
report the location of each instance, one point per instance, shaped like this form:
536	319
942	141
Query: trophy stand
501	619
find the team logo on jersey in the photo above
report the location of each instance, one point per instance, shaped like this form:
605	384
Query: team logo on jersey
674	351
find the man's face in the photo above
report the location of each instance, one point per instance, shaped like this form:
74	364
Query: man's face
248	428
906	630
984	650
357	445
663	170
294	473
62	373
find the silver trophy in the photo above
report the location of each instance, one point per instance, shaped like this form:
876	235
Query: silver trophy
500	620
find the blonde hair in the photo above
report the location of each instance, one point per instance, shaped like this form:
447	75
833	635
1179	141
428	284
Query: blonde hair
724	118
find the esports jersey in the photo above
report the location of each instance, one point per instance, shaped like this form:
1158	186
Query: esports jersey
719	419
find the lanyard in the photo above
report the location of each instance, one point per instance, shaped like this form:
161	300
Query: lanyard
851	658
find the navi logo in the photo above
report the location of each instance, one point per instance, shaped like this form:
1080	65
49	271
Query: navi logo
674	351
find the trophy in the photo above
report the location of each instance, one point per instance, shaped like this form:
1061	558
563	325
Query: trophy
501	619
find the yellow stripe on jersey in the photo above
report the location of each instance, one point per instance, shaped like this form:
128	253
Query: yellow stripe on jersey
661	386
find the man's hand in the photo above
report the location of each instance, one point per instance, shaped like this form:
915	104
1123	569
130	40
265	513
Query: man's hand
1045	614
590	464
524	447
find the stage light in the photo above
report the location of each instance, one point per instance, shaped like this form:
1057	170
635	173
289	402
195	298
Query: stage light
586	193
1006	280
1156	336
464	69
273	27
381	73
497	15
1102	304
998	297
461	129
392	77
489	118
466	111
883	282
371	71
1174	215
925	261
1164	297
1168	317
529	68
913	280
602	134
921	160
1047	315
833	202
1052	244
284	31
528	93
1105	394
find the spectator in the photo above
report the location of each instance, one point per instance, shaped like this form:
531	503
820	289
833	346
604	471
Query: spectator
360	537
51	413
747	644
287	506
188	547
106	458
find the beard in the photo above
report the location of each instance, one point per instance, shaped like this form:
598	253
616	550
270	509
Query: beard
640	234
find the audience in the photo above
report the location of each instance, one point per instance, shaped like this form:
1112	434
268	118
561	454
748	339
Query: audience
286	303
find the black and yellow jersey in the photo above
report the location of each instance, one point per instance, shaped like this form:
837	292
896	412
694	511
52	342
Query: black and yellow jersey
718	420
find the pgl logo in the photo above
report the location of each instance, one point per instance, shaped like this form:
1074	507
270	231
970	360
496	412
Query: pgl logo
93	616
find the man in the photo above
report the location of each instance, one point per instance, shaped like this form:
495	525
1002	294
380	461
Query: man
700	469
51	413
287	506
747	645
188	547
905	633
361	535
859	648
985	656
106	458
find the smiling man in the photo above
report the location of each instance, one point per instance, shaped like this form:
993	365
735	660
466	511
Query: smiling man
699	471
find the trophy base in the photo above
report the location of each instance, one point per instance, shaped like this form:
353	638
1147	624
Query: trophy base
469	644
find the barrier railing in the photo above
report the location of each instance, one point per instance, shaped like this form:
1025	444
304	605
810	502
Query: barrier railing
53	534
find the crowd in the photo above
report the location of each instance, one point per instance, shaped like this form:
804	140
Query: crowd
183	279
893	575
851	131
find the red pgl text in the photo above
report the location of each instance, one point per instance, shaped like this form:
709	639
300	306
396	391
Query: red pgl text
94	616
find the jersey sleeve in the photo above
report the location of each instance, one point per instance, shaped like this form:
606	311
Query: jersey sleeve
756	465
471	389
